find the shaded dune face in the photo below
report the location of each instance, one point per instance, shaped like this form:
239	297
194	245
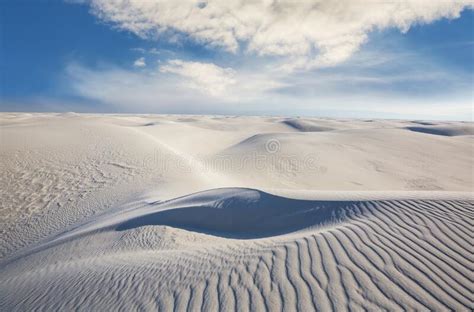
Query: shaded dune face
444	130
306	125
241	213
423	123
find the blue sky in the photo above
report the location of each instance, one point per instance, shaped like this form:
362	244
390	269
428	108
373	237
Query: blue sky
99	56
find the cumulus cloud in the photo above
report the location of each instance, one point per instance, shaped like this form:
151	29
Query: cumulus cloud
140	62
206	77
305	33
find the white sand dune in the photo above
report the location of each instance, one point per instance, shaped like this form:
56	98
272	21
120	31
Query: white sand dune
246	249
146	212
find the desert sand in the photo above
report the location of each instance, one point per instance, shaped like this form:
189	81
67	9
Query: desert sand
174	212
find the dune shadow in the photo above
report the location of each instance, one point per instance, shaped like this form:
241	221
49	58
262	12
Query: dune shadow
444	131
246	214
306	126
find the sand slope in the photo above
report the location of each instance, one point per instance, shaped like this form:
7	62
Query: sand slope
146	212
339	255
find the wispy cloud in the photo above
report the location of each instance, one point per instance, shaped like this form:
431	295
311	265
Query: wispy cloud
378	84
126	89
139	50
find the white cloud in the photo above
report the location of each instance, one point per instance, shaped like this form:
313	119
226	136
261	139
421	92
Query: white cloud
306	33
205	77
380	83
140	62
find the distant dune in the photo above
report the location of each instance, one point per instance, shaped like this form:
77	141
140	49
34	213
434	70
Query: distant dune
110	212
306	125
452	130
